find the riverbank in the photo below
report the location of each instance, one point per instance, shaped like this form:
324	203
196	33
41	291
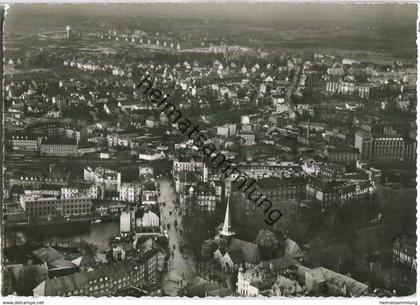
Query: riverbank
10	225
67	234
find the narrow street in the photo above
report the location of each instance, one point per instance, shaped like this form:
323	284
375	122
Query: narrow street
181	269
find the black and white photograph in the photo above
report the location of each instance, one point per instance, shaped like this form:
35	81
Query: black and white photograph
209	149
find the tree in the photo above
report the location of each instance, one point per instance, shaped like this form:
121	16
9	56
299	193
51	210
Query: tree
87	248
268	242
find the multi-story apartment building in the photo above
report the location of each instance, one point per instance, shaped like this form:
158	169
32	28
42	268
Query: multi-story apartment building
322	281
47	190
227	130
258	281
107	178
361	90
249	280
121	140
378	147
130	192
272	195
192	164
151	154
278	189
331	171
77	133
89	190
337	192
149	195
59	147
105	280
37	181
348	155
24	142
248	138
183	179
201	197
404	252
261	169
410	150
43	207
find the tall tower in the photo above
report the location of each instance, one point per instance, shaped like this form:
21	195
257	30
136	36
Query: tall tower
68	32
227	231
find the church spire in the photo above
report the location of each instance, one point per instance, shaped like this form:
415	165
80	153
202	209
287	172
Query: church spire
227	226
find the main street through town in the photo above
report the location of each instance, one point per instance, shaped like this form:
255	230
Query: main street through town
181	266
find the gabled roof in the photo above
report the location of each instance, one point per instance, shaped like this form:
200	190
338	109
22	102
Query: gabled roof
60	264
47	254
76	281
149	245
124	245
89	260
317	275
160	240
279	263
354	287
236	256
250	251
292	249
53	258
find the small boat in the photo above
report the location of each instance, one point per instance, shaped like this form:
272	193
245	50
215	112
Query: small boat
96	221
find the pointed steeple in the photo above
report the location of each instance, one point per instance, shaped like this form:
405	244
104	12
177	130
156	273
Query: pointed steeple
227	225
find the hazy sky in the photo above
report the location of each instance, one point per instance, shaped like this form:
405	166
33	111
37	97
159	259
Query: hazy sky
397	14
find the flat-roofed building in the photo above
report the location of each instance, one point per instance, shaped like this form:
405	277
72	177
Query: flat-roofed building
338	192
59	147
349	155
248	138
151	154
24	142
89	190
130	192
360	90
379	147
191	164
200	197
227	130
286	188
43	207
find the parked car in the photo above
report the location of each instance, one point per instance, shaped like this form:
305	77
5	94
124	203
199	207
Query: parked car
170	212
168	226
173	247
